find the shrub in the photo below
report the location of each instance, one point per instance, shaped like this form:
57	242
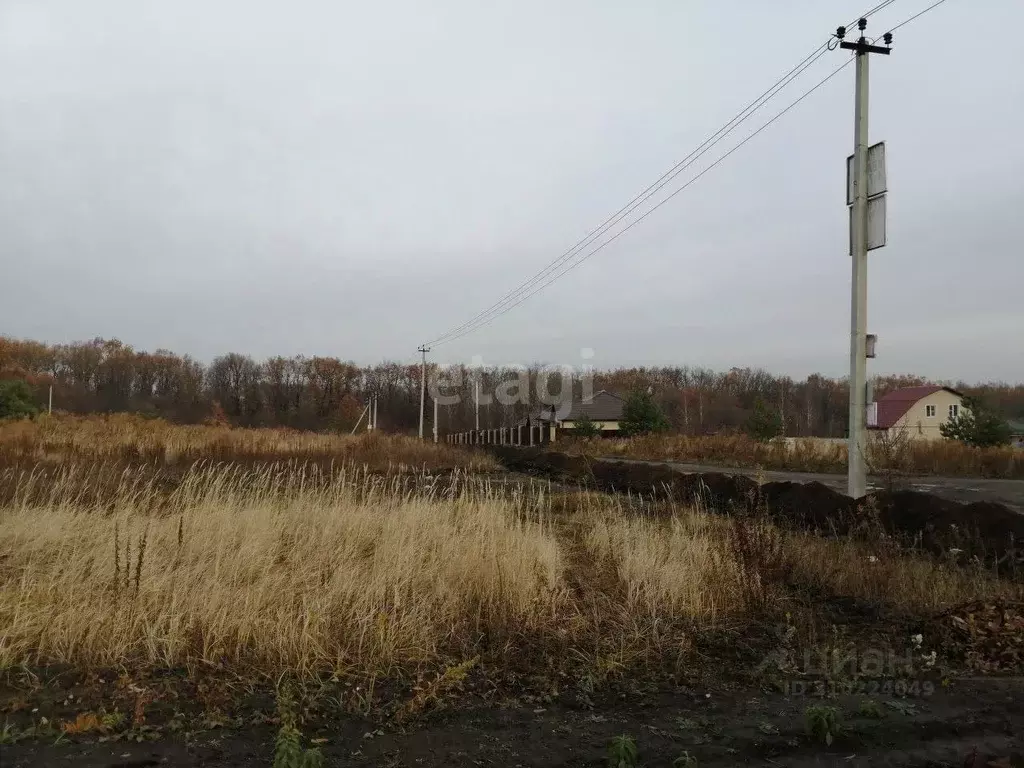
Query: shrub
584	426
977	424
16	400
764	423
642	415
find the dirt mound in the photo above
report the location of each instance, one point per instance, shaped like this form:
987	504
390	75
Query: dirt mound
992	533
635	478
987	531
809	505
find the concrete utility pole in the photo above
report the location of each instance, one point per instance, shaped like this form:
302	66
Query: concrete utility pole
857	477
476	399
374	413
423	384
435	419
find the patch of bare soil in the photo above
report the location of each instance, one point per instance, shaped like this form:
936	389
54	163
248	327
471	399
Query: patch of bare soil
971	723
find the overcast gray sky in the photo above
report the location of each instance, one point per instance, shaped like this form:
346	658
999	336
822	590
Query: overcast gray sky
352	179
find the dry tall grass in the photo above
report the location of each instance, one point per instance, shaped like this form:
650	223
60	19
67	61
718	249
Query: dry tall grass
274	568
907	584
274	571
656	561
926	457
131	438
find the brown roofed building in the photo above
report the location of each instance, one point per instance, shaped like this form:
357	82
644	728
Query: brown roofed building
916	411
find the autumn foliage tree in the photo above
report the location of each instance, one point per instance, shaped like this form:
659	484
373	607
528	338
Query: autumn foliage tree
327	393
216	417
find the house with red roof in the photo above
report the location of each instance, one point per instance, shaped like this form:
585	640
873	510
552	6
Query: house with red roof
916	411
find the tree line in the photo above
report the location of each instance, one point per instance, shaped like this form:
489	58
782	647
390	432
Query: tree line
326	393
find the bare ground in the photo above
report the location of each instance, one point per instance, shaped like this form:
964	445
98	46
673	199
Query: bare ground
745	727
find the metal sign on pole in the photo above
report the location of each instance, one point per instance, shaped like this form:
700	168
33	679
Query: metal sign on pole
876	223
877	181
878	185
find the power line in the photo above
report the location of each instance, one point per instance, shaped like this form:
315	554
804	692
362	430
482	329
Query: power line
653	188
499	307
917	15
662	202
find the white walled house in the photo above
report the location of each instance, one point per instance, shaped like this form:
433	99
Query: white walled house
604	410
917	411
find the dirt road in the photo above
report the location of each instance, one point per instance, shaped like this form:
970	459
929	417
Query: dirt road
715	728
962	489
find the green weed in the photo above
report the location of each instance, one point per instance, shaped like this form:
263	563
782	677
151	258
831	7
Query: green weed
288	751
903	707
823	722
622	752
870	708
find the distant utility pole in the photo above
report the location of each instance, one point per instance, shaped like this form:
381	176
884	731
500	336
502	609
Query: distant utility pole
476	399
857	478
374	413
423	384
360	419
435	419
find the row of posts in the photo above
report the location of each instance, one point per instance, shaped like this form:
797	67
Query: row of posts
524	434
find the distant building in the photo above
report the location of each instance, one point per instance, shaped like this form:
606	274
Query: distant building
917	411
604	409
1016	432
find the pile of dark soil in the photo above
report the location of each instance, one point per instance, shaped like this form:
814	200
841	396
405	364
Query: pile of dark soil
991	533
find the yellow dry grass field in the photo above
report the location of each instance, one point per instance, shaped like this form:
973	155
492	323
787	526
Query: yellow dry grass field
126	437
279	568
288	569
135	543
